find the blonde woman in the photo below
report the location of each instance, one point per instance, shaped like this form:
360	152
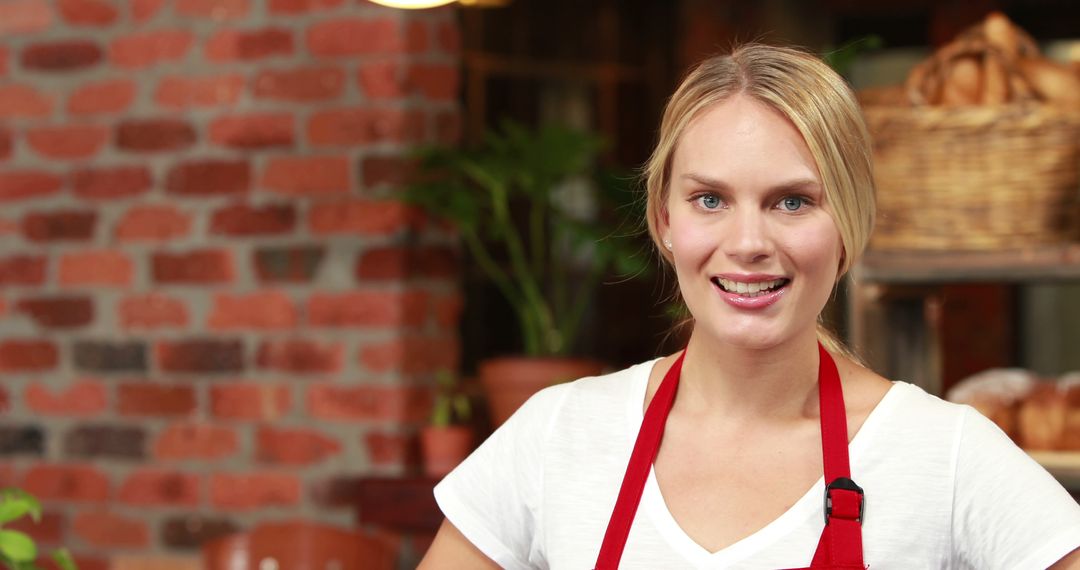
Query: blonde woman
764	444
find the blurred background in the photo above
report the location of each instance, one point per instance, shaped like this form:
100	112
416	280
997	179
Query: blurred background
252	250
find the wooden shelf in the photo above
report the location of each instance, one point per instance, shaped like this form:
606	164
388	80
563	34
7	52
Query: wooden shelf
1057	262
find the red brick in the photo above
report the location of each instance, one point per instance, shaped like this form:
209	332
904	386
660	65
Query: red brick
145	399
4	55
143	10
302	84
355	36
411	355
26	184
24	16
213	9
88	12
368	403
111	96
366	126
364	217
399	263
66	483
71	142
295	447
103	529
267	310
48	530
300	356
61	225
288	263
434	81
152	311
69	55
7	476
263	130
6	144
201	355
448	127
22	270
367	309
447	310
209	177
249	401
82	562
248	220
198	441
307	175
448	36
254	491
5	406
246	45
195	267
58	312
386	449
153	222
150	135
111	182
385	170
417	36
28	355
23	101
382	80
82	398
180	93
104	268
155	487
302	6
145	49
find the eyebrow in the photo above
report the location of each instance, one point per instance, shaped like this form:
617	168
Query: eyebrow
801	184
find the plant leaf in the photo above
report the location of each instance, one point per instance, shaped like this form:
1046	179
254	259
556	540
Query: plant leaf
63	559
17	546
14	503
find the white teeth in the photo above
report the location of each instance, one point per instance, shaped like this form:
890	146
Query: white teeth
749	289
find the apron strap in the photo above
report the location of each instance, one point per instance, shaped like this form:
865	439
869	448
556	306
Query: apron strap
841	539
840	545
637	471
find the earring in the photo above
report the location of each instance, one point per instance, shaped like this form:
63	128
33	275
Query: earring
667	243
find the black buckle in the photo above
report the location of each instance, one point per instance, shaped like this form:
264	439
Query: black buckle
847	485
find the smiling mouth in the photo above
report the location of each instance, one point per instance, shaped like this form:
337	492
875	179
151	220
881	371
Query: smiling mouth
750	289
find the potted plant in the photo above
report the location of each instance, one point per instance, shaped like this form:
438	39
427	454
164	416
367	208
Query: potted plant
554	258
447	439
17	549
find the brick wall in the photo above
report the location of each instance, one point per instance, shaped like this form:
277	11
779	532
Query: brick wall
211	311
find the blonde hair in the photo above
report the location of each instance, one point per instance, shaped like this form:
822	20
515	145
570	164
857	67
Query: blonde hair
820	105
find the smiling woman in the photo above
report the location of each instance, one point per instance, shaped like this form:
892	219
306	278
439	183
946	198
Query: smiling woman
735	452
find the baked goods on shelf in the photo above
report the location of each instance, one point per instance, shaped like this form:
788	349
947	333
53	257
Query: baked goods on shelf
1039	414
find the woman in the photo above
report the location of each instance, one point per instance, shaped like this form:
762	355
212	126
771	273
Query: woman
760	195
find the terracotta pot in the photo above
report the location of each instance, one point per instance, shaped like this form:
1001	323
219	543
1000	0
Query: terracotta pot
509	381
443	448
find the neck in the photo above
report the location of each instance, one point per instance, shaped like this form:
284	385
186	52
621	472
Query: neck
723	380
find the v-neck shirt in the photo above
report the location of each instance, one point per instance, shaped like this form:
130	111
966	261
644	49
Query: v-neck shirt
945	488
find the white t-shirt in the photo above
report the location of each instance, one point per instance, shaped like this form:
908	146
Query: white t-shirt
945	488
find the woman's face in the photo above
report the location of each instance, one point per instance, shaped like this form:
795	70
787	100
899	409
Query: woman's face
746	211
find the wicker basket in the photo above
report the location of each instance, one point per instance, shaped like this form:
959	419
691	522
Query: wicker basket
975	178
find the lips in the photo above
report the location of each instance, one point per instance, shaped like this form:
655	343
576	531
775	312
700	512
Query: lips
755	301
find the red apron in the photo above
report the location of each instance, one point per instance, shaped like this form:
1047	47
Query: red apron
840	546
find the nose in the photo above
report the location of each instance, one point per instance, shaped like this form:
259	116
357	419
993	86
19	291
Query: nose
748	238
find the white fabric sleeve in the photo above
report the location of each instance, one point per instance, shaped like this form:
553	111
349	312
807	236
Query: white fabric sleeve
1008	512
493	496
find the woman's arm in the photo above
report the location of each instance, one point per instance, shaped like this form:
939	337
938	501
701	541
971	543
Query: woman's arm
451	550
1070	562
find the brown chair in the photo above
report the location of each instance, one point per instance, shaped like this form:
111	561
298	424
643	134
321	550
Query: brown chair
299	545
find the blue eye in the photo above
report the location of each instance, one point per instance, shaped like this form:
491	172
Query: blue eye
709	201
792	203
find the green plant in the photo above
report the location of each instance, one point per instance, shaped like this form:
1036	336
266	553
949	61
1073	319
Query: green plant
521	171
17	550
451	405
